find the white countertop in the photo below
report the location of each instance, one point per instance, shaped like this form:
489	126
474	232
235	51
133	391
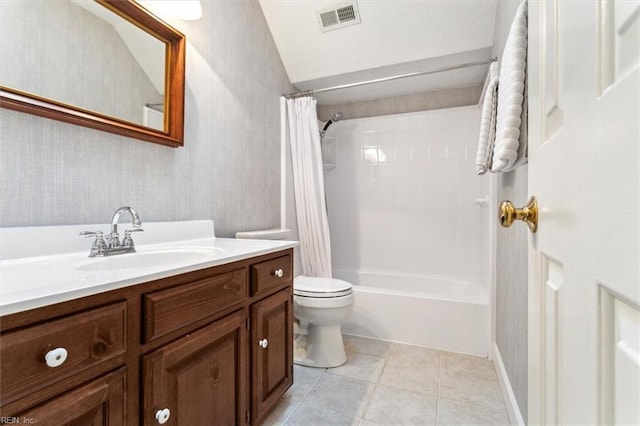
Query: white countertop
45	279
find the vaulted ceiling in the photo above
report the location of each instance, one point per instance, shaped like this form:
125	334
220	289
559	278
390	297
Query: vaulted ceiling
394	37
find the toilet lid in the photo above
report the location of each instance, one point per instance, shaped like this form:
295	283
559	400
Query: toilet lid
320	287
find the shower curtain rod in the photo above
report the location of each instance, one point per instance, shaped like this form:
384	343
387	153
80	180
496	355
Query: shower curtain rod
380	80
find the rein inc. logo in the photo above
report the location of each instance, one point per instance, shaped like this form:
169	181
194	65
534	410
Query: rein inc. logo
13	420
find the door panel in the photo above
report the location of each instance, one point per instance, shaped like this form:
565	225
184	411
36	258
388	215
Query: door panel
552	119
584	168
620	349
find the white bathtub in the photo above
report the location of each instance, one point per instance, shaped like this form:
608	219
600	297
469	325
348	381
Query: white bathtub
438	312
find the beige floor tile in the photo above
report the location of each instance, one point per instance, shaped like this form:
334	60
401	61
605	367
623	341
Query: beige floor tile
334	400
411	378
281	413
412	368
415	354
360	366
453	413
470	389
364	345
303	380
469	365
392	406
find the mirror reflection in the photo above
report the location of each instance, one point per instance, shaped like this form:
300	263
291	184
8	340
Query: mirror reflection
79	53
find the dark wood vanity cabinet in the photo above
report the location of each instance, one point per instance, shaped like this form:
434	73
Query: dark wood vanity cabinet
271	351
209	347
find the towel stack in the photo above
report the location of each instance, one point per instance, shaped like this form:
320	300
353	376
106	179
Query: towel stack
488	122
510	145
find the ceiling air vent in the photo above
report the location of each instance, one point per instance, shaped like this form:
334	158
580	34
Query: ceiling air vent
338	16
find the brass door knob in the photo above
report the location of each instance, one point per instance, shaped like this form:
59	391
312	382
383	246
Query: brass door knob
528	214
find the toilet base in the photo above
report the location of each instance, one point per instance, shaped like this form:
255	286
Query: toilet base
329	354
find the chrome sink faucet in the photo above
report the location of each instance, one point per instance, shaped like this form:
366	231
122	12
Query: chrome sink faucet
114	238
112	244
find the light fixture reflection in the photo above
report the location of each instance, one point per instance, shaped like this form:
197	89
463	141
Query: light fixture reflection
188	10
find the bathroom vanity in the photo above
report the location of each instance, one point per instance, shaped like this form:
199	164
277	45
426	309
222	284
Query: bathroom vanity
193	344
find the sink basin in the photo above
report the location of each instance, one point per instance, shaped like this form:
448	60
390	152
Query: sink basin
153	258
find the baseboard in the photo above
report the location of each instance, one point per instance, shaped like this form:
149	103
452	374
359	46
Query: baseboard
509	397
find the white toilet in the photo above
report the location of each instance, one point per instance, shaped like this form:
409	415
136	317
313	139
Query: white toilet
320	306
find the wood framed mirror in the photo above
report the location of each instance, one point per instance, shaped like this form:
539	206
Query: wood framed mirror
103	106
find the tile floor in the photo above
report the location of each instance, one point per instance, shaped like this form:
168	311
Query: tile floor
393	384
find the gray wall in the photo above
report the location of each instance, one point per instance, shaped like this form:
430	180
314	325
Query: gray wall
511	273
446	98
228	170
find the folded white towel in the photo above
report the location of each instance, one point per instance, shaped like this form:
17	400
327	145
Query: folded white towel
511	89
488	122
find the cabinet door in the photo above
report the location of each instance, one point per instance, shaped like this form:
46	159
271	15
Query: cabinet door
102	402
271	351
200	379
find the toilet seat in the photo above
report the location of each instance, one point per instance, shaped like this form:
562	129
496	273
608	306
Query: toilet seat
317	287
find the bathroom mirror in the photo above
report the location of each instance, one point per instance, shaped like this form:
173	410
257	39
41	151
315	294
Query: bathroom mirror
105	64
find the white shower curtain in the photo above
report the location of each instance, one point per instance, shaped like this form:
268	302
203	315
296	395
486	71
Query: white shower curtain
308	183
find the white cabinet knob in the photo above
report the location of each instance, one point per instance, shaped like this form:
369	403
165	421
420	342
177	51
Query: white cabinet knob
263	343
56	357
278	273
162	416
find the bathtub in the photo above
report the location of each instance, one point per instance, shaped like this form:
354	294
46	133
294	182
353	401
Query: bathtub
438	312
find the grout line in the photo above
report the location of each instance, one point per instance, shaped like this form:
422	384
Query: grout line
377	382
475	404
439	384
366	406
284	421
413	391
384	367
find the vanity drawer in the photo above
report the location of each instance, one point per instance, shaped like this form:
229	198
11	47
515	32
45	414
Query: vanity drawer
40	355
168	310
270	274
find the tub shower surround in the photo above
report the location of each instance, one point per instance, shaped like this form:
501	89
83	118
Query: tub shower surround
408	218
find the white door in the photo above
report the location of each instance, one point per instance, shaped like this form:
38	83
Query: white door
584	287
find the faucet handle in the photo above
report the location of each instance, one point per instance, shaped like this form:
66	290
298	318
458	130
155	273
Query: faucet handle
133	230
128	241
99	245
88	234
